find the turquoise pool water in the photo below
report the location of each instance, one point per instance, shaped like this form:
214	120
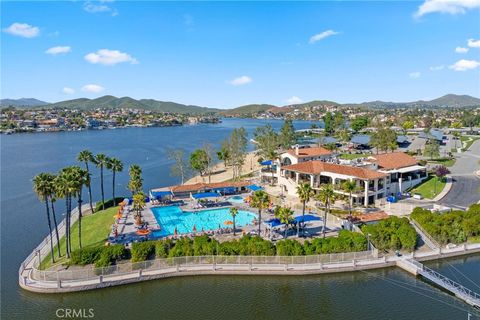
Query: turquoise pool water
236	199
172	216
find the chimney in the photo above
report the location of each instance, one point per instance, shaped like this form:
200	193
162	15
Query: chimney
297	152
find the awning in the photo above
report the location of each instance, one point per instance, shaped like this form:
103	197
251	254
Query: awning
254	187
160	194
306	218
273	222
205	195
410	169
266	163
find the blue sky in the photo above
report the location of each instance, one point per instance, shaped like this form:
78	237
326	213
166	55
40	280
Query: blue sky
226	54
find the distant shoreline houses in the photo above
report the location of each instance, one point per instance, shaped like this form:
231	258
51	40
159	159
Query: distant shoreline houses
377	176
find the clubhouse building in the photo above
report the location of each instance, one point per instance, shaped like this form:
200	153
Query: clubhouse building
377	176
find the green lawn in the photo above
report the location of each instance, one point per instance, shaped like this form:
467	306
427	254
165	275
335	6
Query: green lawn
351	156
95	230
445	161
468	141
427	188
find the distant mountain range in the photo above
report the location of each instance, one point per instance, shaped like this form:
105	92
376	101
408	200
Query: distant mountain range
449	100
22	102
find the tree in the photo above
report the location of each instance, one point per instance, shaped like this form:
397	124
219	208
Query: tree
350	186
384	139
199	161
86	157
233	213
179	168
407	125
138	205
432	149
135	184
115	166
42	187
80	179
304	192
101	161
65	187
344	135
261	201
328	122
338	121
440	172
224	153
359	123
237	148
285	215
287	134
267	143
327	196
53	198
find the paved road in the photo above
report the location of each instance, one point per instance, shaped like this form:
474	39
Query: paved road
466	186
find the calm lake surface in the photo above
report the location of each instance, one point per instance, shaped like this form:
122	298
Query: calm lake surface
384	294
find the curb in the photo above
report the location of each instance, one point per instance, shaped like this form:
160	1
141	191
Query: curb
445	190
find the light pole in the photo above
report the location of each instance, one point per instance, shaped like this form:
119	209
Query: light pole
368	241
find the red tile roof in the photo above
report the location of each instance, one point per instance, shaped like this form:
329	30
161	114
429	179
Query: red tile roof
394	160
309	152
317	167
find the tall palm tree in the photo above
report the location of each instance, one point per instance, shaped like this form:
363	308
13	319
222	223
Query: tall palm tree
86	157
350	186
82	178
101	161
135	184
41	186
138	205
66	186
285	215
304	192
52	195
115	166
260	200
233	213
327	196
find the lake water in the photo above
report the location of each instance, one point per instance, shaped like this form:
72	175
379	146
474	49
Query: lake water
384	294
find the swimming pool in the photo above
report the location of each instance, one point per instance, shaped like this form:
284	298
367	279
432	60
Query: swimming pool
236	199
211	219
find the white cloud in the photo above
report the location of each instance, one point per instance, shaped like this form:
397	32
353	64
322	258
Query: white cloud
414	75
446	6
58	50
240	81
109	57
437	68
322	35
473	43
93	88
68	90
101	6
461	50
294	100
22	30
464	65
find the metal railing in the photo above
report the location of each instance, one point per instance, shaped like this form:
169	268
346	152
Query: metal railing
184	262
433	243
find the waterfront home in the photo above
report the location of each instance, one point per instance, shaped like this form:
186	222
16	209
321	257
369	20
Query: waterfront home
377	176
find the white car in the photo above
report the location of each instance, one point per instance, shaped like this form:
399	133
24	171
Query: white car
417	196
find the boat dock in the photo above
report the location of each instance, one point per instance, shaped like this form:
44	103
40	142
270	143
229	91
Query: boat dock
417	268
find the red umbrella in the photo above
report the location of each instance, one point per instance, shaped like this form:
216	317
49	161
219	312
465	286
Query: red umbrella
175	231
194	228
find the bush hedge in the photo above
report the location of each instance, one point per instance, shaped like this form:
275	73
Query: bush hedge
455	226
100	256
142	251
108	203
393	233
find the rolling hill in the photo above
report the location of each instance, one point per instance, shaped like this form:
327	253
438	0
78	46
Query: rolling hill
22	102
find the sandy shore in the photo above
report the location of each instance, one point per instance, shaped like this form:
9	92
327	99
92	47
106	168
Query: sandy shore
220	173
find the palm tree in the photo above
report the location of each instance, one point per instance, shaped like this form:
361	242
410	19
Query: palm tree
116	166
260	200
52	195
65	187
349	186
138	205
135	184
304	192
327	196
86	156
233	213
101	161
41	186
82	178
285	215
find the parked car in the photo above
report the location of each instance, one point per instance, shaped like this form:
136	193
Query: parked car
417	196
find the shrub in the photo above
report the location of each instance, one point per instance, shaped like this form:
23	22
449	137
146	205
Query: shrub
289	248
142	251
100	256
183	247
108	203
85	256
204	246
392	233
162	248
